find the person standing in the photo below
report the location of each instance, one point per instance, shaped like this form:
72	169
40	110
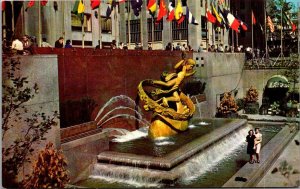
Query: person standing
27	45
250	147
68	44
59	43
257	144
45	43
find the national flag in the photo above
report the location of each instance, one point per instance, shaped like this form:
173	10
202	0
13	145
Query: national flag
171	15
270	24
136	6
218	17
30	4
190	17
162	10
253	18
110	8
152	6
232	21
121	1
210	17
3	5
294	27
44	2
288	20
178	10
95	4
221	2
78	9
244	26
224	17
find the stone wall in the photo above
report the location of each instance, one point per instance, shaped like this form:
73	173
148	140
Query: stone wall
42	70
259	79
222	72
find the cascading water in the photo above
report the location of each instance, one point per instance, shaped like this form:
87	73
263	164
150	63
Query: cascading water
204	162
192	168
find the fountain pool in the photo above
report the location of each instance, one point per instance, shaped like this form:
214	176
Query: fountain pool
211	167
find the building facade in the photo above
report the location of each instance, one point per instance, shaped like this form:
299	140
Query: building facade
60	22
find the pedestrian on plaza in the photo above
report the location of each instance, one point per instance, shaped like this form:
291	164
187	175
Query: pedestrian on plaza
27	45
121	45
113	44
257	144
45	43
68	44
149	46
190	48
17	46
98	46
200	49
169	47
59	43
125	47
250	146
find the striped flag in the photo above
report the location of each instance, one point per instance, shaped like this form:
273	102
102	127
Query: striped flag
78	9
221	2
270	24
288	20
210	17
44	2
218	17
3	5
179	12
152	7
233	22
190	17
171	15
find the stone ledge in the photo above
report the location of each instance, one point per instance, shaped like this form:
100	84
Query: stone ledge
254	172
174	158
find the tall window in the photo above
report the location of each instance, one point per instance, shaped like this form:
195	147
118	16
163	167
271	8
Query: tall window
76	23
157	30
135	31
180	32
106	25
204	27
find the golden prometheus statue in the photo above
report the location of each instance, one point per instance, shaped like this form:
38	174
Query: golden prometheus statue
172	108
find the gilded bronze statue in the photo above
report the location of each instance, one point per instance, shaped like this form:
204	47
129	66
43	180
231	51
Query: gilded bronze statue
172	108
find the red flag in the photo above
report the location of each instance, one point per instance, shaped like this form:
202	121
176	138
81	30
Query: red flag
44	2
30	4
162	10
181	19
3	5
95	4
294	27
253	18
171	15
210	17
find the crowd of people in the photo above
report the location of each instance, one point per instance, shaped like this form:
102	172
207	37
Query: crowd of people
25	45
254	140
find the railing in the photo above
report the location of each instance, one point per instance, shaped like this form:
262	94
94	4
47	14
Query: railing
291	62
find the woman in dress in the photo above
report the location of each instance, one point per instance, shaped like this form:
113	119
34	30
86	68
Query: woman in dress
250	147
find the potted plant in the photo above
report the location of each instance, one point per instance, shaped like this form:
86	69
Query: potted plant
228	107
251	104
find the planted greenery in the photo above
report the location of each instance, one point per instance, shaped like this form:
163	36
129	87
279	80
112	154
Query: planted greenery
251	104
49	170
286	170
228	106
17	91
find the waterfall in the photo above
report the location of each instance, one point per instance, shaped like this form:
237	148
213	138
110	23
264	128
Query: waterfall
206	161
191	169
124	174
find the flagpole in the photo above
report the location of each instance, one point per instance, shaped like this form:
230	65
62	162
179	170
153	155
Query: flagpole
252	42
82	32
266	34
13	18
281	44
128	23
152	29
4	23
40	26
63	14
100	28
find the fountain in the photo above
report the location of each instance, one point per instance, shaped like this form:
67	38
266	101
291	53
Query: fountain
166	150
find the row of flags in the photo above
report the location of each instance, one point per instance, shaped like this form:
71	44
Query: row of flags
221	17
